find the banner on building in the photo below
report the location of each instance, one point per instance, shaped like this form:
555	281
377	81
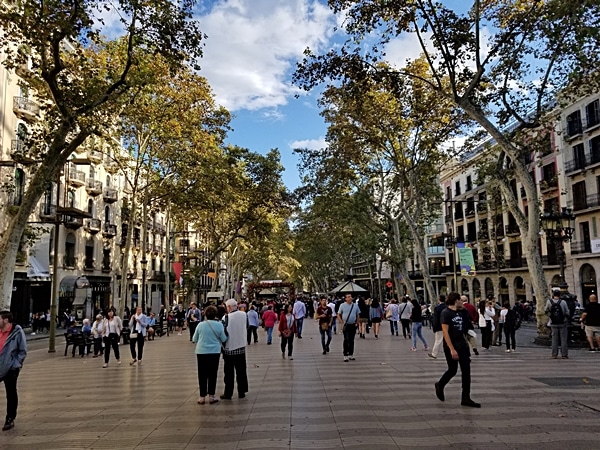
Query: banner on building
178	269
38	262
595	245
467	263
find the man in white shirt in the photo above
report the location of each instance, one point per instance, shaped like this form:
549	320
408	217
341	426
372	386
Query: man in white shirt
299	314
234	355
331	304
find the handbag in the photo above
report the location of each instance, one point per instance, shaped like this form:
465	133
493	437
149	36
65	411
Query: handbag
133	335
346	321
324	326
286	333
388	313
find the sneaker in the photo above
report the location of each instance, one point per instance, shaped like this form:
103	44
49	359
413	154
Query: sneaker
104	366
179	334
396	334
345	359
554	357
507	351
589	349
431	356
470	403
565	357
213	400
513	350
33	334
291	358
327	348
352	358
224	397
241	395
413	349
119	361
476	352
426	348
324	352
8	425
201	401
439	392
132	363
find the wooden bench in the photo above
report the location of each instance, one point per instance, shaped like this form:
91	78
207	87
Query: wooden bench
78	341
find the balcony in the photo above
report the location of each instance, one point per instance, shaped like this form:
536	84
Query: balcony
73	222
593	120
458	215
574	129
156	275
25	108
483	235
89	264
184	249
482	207
512	230
95	156
581	247
76	177
548	185
109	231
436	250
93	225
587	202
515	263
110	195
19	152
93	187
47	213
69	262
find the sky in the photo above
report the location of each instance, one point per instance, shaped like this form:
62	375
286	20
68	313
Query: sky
249	58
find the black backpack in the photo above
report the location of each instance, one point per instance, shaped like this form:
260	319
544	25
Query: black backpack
557	315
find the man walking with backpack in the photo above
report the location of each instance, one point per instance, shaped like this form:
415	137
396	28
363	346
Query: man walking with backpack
558	312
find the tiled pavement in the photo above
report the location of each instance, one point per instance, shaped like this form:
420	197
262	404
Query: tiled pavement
382	400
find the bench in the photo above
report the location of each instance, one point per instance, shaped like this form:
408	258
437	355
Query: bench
78	341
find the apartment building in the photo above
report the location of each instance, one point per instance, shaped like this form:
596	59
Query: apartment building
83	215
578	138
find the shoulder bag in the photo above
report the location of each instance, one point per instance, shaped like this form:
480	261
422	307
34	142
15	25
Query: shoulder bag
216	335
346	321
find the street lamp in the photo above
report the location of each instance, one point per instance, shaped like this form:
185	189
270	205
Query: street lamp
558	227
451	242
144	266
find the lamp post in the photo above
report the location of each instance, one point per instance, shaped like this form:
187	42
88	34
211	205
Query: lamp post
451	242
144	266
558	227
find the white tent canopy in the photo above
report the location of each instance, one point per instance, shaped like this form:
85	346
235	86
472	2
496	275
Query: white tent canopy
348	288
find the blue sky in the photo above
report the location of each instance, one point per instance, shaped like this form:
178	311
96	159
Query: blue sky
249	57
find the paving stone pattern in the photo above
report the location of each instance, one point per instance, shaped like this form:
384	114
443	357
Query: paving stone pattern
384	399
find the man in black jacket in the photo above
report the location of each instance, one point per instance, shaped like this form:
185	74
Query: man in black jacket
437	326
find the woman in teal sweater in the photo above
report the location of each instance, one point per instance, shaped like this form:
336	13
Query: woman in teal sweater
208	337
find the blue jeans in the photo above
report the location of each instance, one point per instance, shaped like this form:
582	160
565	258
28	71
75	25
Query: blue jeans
394	326
334	324
269	335
299	323
329	336
417	329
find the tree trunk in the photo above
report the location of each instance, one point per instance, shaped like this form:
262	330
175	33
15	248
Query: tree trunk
529	226
125	259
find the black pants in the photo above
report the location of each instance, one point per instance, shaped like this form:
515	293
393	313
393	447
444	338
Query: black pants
486	334
349	334
235	369
289	341
208	368
252	333
112	340
139	341
509	335
405	327
192	326
464	360
97	346
12	398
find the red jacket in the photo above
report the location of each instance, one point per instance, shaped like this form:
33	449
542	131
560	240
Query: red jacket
472	311
283	325
269	318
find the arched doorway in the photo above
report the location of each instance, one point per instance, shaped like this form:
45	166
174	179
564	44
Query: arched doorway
464	287
503	291
520	289
476	289
556	280
489	287
588	283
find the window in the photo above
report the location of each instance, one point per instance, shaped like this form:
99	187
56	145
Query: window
574	123
90	208
70	243
579	156
457	188
108	180
469	183
19	187
107	214
594	150
71	199
89	253
579	196
22	132
592	112
92	173
106	260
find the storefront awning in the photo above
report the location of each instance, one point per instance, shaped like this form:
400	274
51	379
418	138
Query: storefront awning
69	284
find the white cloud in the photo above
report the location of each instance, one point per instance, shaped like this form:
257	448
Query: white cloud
313	144
253	45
